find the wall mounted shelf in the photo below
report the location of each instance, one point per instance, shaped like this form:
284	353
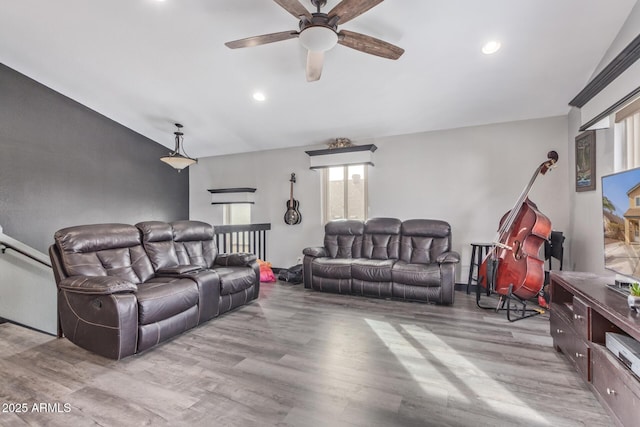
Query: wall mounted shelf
227	196
330	157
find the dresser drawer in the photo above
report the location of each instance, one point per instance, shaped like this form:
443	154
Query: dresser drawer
561	332
566	340
580	354
617	386
580	318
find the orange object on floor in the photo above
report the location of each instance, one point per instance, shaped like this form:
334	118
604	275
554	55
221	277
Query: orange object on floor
266	273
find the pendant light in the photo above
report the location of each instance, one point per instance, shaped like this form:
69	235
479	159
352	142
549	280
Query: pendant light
178	159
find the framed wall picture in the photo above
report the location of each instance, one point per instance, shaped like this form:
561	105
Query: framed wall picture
586	161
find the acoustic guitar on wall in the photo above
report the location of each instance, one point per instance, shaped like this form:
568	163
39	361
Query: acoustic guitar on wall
292	215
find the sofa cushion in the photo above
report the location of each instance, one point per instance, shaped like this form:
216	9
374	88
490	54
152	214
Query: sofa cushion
335	268
381	238
343	238
104	250
416	274
423	240
234	279
372	270
416	249
157	238
162	297
194	244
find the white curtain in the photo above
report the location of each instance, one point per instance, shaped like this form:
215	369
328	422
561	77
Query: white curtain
627	137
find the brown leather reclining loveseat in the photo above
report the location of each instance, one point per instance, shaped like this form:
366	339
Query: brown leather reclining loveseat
385	257
122	289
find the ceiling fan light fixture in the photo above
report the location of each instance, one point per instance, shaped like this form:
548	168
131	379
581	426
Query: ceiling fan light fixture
177	159
318	38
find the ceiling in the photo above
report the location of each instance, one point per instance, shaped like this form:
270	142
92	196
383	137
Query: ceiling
148	64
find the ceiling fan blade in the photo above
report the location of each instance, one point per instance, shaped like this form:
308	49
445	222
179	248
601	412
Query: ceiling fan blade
295	8
315	60
349	9
370	45
263	39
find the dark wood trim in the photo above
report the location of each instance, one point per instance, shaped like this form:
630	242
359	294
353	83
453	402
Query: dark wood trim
242	237
7	246
232	190
241	227
2	320
368	147
233	203
337	166
611	109
617	66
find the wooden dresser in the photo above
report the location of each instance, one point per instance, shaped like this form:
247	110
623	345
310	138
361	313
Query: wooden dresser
583	309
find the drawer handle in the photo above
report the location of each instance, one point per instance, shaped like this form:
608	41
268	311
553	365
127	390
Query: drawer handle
579	354
559	331
577	317
610	391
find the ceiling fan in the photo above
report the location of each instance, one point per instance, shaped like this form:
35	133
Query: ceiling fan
319	32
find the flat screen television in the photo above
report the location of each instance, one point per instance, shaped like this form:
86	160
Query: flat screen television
621	220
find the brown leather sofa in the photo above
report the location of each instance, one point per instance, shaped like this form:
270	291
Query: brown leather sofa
123	289
385	257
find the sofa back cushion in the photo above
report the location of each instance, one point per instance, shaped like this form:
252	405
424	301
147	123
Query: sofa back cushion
422	240
194	244
381	238
104	250
157	239
343	238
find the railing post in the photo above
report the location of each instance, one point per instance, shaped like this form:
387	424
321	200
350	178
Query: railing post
242	238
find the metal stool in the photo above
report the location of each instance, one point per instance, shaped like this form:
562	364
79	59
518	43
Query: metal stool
478	252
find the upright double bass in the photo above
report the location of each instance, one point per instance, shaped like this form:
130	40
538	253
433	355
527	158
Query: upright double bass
513	264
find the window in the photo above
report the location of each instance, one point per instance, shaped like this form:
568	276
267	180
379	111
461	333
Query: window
345	192
627	137
637	201
236	213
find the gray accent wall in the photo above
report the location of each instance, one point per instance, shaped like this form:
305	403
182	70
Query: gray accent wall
63	164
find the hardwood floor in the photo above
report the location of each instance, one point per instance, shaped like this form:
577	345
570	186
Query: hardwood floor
297	357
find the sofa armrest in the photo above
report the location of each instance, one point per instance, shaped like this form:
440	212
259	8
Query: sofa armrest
178	269
236	259
96	285
315	252
448	258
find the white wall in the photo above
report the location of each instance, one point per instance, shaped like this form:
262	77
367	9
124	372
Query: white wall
469	177
587	245
627	33
585	250
269	173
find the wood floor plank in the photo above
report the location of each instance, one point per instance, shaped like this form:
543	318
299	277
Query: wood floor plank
296	357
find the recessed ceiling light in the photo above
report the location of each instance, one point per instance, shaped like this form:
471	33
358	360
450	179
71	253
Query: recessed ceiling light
491	47
259	96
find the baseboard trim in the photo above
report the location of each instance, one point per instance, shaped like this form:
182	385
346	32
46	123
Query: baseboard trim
463	287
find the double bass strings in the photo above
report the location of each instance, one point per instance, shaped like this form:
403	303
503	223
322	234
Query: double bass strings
499	240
